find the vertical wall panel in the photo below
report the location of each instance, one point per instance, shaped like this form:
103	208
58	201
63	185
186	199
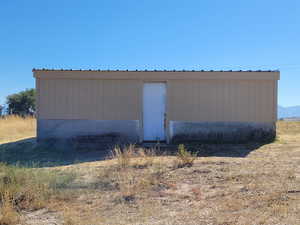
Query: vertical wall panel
251	100
89	99
52	98
93	102
256	99
99	98
109	100
233	101
243	106
188	100
225	114
42	99
263	100
219	100
275	113
225	100
37	86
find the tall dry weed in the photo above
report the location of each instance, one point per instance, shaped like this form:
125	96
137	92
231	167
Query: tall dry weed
14	127
8	214
123	155
28	188
131	156
136	172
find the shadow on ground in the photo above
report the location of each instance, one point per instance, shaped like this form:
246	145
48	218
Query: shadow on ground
210	150
29	153
224	150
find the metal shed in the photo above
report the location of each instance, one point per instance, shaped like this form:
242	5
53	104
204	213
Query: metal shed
223	106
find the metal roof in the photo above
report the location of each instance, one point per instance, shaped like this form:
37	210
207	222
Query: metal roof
183	70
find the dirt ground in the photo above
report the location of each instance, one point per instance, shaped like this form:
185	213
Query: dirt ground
229	184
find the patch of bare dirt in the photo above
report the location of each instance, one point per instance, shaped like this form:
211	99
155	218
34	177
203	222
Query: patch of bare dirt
42	217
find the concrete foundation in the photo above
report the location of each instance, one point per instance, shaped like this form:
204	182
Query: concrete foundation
128	131
125	130
221	132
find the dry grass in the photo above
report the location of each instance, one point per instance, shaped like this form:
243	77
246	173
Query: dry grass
139	187
133	173
8	215
132	156
27	189
13	128
184	157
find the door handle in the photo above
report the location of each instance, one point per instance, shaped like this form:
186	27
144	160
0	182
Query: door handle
165	120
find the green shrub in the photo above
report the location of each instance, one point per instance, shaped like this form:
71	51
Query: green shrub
184	157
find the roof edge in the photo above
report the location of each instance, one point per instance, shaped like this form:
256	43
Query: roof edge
99	70
156	75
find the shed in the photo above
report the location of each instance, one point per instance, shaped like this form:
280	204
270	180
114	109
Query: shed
171	106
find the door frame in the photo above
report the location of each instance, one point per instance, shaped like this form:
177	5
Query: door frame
141	119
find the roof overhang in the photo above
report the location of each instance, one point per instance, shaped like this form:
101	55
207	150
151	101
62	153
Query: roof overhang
155	75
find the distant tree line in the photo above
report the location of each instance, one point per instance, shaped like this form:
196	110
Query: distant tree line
1	110
22	103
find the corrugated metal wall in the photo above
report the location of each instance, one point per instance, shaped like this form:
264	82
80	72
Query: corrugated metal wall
89	99
188	100
222	100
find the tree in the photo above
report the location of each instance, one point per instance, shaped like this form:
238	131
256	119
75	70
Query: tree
22	103
1	110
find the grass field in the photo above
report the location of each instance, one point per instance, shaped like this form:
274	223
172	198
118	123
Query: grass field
233	184
14	128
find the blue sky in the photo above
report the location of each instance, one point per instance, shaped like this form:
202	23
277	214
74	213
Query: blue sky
197	34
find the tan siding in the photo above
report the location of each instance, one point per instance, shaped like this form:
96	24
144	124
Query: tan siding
188	100
75	99
51	97
93	99
37	86
214	100
100	98
259	106
271	99
234	101
42	107
256	99
59	100
251	100
110	101
226	113
275	95
263	100
89	99
243	107
219	101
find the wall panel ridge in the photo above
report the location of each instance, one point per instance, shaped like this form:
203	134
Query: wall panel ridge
89	99
225	100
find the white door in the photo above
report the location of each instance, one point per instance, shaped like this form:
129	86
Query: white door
154	100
